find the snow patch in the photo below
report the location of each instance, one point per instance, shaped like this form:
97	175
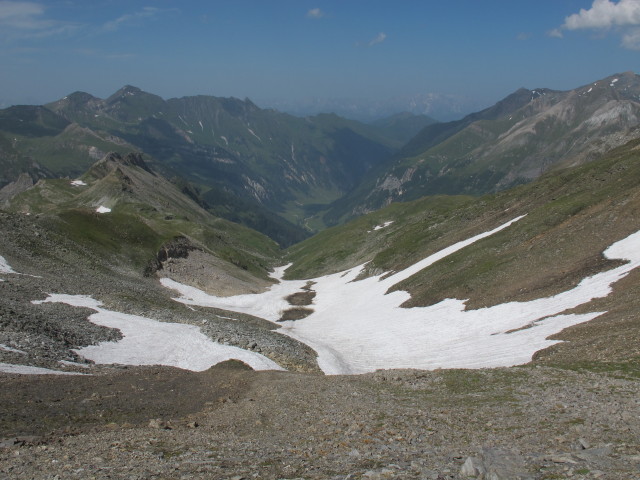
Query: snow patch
613	82
6	348
253	133
4	266
103	209
384	225
28	370
78	183
67	363
150	342
358	326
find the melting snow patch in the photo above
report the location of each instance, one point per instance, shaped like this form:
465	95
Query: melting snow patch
613	82
358	327
28	370
4	266
67	363
384	225
149	342
102	209
77	183
13	350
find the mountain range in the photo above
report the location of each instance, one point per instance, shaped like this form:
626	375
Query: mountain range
246	162
288	177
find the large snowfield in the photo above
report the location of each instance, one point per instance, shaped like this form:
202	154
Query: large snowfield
358	327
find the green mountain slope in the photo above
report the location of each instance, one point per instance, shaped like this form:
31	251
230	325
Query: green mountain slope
141	213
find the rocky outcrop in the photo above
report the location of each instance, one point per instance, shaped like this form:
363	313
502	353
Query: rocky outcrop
178	247
24	182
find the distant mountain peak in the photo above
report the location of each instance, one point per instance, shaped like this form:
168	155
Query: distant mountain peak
128	90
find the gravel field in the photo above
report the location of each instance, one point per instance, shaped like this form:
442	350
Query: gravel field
231	423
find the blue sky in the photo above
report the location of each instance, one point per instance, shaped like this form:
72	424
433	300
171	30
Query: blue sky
295	49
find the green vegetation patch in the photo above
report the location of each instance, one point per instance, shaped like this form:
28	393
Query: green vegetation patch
116	234
624	369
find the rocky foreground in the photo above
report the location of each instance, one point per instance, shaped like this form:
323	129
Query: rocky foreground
532	422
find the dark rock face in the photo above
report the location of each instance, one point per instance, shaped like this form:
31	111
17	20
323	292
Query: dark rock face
133	159
179	247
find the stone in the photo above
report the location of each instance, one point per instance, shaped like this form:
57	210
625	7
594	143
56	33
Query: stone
472	467
158	423
496	464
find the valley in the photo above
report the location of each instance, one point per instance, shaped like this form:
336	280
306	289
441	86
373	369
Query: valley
199	288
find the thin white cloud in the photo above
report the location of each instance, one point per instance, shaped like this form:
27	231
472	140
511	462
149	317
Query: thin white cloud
605	14
315	13
555	33
21	15
20	20
623	17
381	37
631	40
131	18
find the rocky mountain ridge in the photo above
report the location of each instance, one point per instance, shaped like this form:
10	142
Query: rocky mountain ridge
513	142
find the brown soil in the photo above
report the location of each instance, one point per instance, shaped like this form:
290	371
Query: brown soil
295	314
301	298
51	404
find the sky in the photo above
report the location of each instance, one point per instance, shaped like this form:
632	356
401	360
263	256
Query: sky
299	49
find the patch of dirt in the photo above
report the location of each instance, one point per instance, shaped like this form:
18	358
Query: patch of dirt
301	298
46	404
295	314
